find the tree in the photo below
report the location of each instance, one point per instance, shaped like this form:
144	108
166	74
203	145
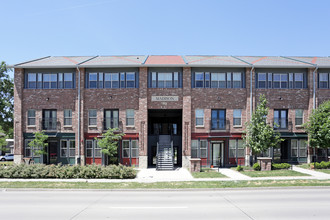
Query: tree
259	135
38	144
3	142
109	142
318	127
6	101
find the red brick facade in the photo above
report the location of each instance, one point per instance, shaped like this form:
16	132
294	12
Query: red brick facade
140	99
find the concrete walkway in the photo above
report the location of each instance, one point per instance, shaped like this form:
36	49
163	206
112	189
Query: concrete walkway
233	175
152	175
313	173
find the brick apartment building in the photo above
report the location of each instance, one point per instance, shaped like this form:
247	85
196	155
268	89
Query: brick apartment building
185	107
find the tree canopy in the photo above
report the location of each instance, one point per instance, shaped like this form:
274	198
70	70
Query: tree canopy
259	135
6	100
109	142
318	126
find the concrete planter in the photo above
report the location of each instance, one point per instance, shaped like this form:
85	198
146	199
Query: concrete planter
265	163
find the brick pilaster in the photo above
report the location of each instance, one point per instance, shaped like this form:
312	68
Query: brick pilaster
18	115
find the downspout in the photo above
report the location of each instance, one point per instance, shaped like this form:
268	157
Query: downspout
78	158
314	85
251	100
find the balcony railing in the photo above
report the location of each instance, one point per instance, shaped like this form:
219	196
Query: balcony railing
282	124
50	124
220	125
111	123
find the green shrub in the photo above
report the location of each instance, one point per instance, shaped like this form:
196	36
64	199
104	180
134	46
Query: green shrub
239	168
256	167
322	165
280	166
36	171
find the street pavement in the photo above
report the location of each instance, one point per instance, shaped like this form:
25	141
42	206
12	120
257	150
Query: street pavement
302	203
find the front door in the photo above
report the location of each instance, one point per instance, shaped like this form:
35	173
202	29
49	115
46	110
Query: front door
52	152
216	154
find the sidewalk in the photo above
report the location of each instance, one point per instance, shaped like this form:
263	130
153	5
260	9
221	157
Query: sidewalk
182	174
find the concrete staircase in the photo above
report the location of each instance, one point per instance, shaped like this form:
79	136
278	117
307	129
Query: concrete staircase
164	153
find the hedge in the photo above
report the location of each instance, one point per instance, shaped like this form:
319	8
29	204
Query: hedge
322	165
280	166
256	167
38	171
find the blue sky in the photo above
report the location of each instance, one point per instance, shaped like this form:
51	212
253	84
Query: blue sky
33	29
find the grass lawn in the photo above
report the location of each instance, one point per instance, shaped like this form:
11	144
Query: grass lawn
165	185
305	166
273	173
208	174
323	170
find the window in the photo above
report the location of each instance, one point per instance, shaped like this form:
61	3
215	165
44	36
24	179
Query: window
281	80
236	148
28	151
298	148
199	80
199	117
262	80
92	149
92	117
229	80
129	117
237	80
130	149
111	119
237	117
280	119
218	121
68	148
218	80
49	120
32	80
111	80
323	80
67	117
31	117
49	80
298	80
165	80
299	117
203	147
198	148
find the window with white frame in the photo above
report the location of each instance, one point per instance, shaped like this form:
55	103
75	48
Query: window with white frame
262	80
68	148
31	117
92	80
323	80
93	149
236	148
129	117
28	149
237	80
199	113
92	117
237	114
199	148
130	149
218	80
199	80
67	117
111	80
298	148
298	80
299	117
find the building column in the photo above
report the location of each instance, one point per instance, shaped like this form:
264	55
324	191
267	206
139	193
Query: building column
248	79
186	118
143	117
18	116
80	140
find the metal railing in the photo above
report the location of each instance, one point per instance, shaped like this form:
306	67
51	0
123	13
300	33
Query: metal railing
50	124
220	125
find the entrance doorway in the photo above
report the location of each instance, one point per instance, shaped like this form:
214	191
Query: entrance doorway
164	122
217	154
52	154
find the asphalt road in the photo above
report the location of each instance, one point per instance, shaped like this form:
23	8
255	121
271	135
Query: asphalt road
308	203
